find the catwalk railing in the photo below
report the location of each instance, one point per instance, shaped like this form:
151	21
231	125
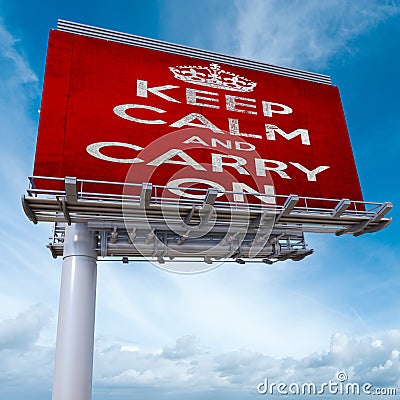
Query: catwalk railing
145	220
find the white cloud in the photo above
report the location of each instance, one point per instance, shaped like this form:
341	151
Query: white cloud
185	347
27	270
19	101
302	34
19	92
242	369
261	308
24	362
189	366
23	73
25	329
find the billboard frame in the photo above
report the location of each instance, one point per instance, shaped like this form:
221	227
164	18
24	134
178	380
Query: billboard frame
104	213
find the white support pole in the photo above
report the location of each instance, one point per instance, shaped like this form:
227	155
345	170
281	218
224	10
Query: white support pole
75	332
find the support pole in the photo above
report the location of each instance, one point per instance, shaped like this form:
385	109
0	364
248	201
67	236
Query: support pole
75	332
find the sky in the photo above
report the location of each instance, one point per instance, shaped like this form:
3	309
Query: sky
219	334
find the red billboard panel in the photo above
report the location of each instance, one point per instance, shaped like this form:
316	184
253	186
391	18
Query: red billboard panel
112	112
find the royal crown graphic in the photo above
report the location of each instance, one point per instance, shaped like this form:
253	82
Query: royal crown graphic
213	76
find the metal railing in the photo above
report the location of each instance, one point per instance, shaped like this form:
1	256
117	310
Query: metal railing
158	197
212	223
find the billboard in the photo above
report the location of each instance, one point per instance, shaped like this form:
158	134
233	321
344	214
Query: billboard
116	112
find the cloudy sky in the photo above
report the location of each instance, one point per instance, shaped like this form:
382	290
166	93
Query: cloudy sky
163	336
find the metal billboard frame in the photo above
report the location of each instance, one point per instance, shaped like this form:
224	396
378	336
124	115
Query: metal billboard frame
104	214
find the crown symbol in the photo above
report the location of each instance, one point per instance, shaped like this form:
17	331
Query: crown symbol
213	76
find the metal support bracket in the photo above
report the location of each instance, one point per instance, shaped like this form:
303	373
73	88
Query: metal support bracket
63	207
114	235
341	207
362	227
210	198
71	191
132	234
28	210
381	225
189	215
382	211
150	236
145	194
260	220
290	203
183	237
103	243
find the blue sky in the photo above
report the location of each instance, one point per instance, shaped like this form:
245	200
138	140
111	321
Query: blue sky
218	334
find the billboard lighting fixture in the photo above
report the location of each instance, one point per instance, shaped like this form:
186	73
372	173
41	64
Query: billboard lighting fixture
125	260
114	235
160	260
208	260
267	261
240	261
